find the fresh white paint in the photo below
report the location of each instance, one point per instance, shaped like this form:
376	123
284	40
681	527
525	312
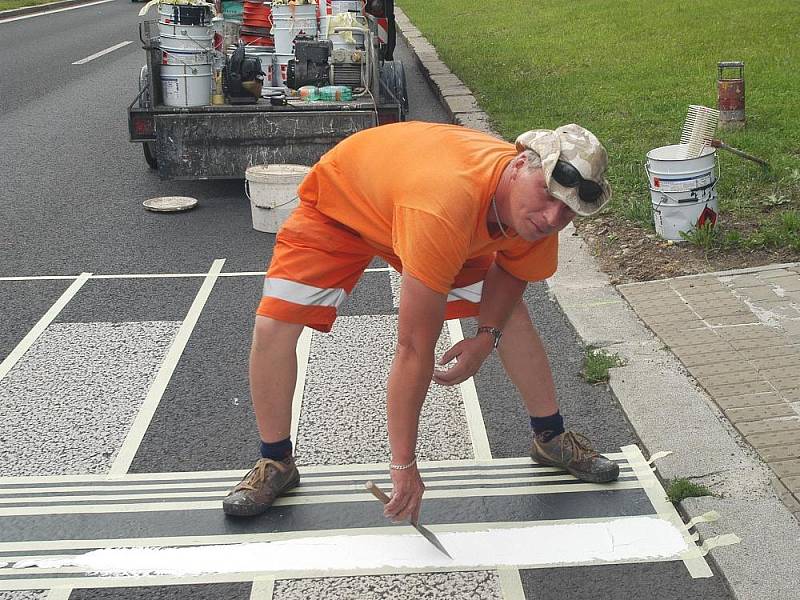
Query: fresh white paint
83	61
50	12
618	540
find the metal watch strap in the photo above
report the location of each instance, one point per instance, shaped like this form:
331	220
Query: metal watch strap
494	331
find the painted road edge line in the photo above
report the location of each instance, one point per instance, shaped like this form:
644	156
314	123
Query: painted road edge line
263	588
83	61
696	565
43	323
51	12
129	447
510	584
475	423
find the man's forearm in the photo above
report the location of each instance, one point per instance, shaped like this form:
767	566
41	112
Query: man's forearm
409	380
501	292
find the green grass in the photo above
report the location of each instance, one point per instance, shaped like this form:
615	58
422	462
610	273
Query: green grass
9	4
628	70
597	363
681	488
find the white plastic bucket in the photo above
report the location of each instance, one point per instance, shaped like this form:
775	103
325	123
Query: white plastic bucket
282	67
185	37
186	85
267	59
340	6
682	190
185	57
288	24
272	191
171	13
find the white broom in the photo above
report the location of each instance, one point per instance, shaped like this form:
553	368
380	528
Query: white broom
699	129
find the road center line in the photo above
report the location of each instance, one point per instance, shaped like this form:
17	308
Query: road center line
83	61
50	12
131	444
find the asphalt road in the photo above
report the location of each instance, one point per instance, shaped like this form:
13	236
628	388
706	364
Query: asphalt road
71	203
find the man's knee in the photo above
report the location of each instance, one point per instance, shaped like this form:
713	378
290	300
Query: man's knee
268	331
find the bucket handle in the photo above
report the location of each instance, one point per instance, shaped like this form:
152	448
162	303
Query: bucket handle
664	194
247	193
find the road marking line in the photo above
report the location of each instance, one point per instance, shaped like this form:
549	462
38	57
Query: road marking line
127	451
263	588
42	501
303	350
697	566
83	61
59	593
158	275
43	323
511	584
475	423
531	489
315	470
50	12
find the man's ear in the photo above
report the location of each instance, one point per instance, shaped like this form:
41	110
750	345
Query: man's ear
517	164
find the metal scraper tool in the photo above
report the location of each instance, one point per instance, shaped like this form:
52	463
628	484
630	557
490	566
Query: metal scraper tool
426	533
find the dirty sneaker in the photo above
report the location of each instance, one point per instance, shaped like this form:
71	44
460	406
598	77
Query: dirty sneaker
573	452
261	486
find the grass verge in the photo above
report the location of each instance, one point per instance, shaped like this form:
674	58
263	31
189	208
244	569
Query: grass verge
597	363
681	488
9	4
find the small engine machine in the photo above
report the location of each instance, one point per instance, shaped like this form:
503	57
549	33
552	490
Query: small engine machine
311	65
243	77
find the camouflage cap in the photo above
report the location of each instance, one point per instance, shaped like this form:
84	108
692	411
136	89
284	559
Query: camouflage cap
577	146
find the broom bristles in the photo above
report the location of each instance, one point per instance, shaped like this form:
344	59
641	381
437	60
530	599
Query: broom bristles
698	129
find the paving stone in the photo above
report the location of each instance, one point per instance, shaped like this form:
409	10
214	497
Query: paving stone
745	281
744	332
787	284
695	337
738	389
757	413
749	400
782	372
677	329
444	81
694	282
436	67
775	273
691	357
720	309
709	299
791	396
763	341
790	500
461	104
785	384
730	366
791	327
775	453
773	362
793	483
774	352
786	468
477	120
741	318
774	438
759	293
741	376
770	426
677	315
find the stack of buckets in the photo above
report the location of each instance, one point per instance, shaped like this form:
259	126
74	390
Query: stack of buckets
232	10
186	45
255	32
683	191
272	191
290	21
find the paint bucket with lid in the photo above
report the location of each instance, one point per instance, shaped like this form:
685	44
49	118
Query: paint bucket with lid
272	191
683	191
186	37
186	85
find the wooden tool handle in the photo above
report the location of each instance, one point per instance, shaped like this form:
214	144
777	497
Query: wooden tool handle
377	492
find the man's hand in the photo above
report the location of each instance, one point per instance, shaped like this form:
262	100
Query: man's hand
471	353
407	490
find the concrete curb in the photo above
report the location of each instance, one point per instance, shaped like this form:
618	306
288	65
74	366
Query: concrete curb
666	408
29	10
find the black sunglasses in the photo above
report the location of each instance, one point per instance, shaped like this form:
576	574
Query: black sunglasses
568	176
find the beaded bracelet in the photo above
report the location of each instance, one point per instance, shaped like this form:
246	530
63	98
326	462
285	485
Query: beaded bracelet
403	467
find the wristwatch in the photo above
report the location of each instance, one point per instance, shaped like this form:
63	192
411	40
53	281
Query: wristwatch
494	331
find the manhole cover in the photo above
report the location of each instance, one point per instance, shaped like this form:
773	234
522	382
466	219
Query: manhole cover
170	203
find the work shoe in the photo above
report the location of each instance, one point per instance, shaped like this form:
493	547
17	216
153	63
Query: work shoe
261	486
573	452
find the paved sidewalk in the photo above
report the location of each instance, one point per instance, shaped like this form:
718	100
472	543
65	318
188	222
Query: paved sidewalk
738	334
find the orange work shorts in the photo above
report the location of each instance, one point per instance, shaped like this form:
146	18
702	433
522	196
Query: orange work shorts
317	262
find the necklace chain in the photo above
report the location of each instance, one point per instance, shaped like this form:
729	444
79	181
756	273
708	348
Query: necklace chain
499	223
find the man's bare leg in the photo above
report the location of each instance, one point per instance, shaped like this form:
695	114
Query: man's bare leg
273	374
526	363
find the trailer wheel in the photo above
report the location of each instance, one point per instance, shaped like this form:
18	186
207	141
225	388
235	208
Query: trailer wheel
393	84
150	155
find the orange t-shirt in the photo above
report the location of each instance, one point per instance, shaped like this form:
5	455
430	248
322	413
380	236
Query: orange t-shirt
421	192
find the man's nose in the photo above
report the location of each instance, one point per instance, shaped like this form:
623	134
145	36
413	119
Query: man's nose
556	213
